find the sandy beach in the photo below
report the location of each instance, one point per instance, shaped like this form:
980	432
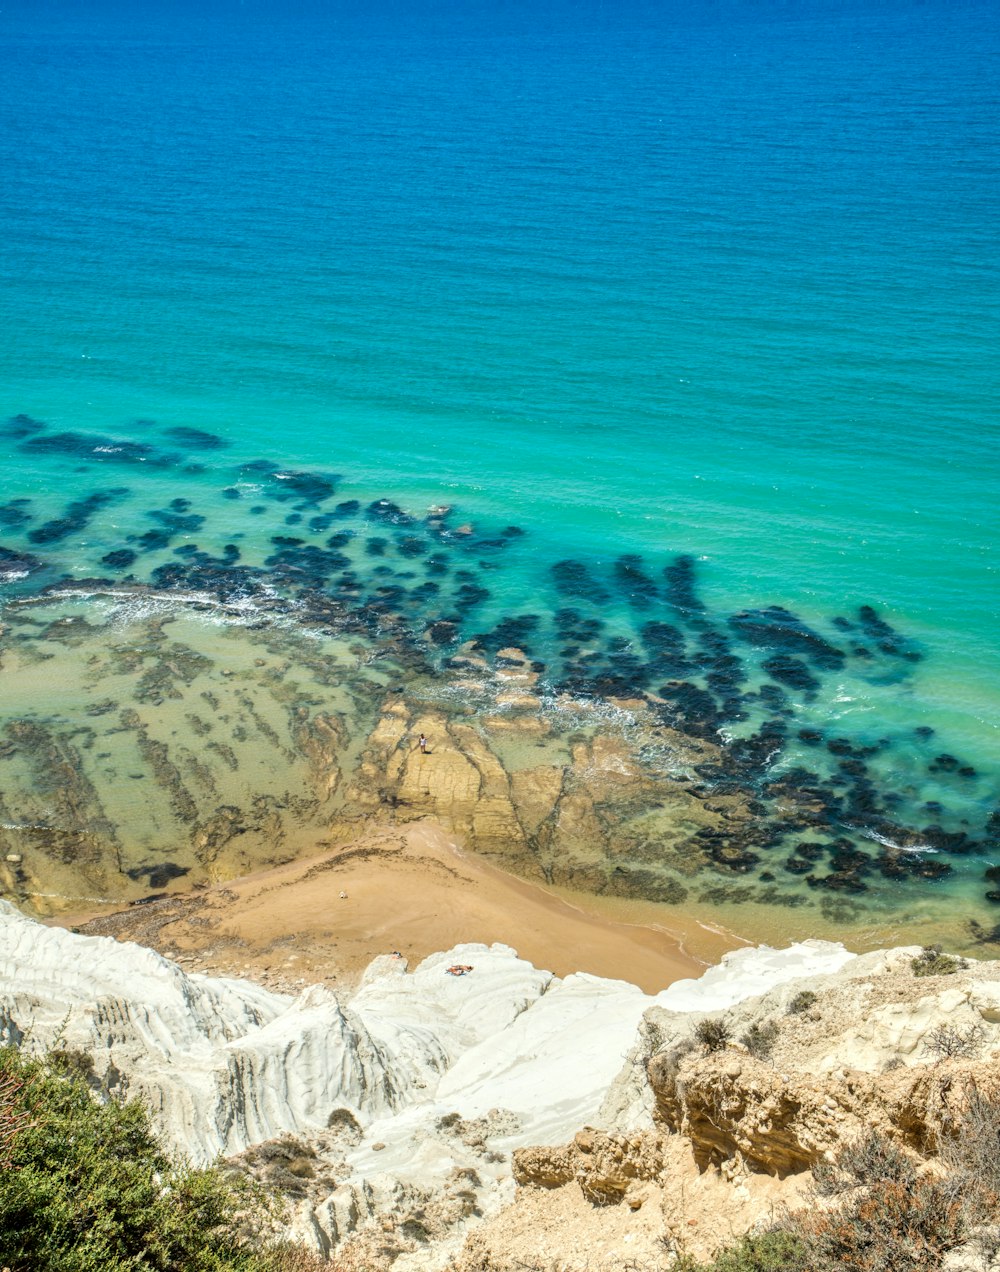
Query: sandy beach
408	889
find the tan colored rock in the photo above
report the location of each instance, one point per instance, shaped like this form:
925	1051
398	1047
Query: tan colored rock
519	699
576	1227
517	722
511	653
535	793
734	1107
606	1167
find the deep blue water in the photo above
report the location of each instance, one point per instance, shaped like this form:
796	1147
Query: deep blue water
715	280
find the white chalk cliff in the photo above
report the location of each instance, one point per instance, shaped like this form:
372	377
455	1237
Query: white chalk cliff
413	1092
225	1064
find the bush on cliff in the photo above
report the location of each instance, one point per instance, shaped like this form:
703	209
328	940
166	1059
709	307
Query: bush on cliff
932	961
887	1216
892	1226
776	1251
713	1034
84	1187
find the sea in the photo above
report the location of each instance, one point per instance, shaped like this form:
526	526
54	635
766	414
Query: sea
655	340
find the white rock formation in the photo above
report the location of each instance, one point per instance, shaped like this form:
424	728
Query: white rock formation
445	1075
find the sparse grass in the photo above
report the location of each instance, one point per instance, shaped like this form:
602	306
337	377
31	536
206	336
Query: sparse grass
759	1039
302	1168
870	1160
714	1033
971	1150
656	1038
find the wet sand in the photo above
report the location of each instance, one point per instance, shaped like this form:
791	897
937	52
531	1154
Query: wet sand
409	889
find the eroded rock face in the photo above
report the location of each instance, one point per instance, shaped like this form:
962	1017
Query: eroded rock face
863	1053
607	1167
694	1148
223	1063
587	815
735	1106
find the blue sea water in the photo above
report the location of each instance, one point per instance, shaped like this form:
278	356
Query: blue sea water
716	280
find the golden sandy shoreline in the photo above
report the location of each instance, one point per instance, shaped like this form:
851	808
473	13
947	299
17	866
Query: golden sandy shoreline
409	889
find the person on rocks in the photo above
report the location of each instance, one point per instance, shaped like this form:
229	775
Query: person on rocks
422	744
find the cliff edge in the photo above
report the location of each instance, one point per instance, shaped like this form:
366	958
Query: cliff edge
479	1113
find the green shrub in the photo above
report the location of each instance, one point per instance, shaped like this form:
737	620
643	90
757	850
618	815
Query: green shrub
872	1159
86	1188
777	1251
802	1001
932	962
713	1034
770	1252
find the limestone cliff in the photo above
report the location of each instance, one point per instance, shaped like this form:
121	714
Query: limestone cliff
402	1119
698	1145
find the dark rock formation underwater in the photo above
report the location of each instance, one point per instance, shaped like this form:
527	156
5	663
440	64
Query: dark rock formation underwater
681	752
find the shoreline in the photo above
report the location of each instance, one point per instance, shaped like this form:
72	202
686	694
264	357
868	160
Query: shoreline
156	750
410	889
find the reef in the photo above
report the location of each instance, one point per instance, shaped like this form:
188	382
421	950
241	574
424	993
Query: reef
616	734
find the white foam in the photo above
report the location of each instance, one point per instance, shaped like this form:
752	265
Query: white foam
888	843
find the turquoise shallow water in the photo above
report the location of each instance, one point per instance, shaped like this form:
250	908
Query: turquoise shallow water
657	282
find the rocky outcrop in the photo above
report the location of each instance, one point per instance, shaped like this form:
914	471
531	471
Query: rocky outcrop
607	1167
393	1110
872	1046
590	813
735	1108
205	759
693	1147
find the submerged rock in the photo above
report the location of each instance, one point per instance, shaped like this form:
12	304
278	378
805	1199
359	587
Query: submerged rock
14	514
76	517
680	591
572	578
638	588
196	438
777	628
16	565
97	449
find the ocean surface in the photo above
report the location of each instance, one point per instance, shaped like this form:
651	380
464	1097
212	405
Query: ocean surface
688	315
